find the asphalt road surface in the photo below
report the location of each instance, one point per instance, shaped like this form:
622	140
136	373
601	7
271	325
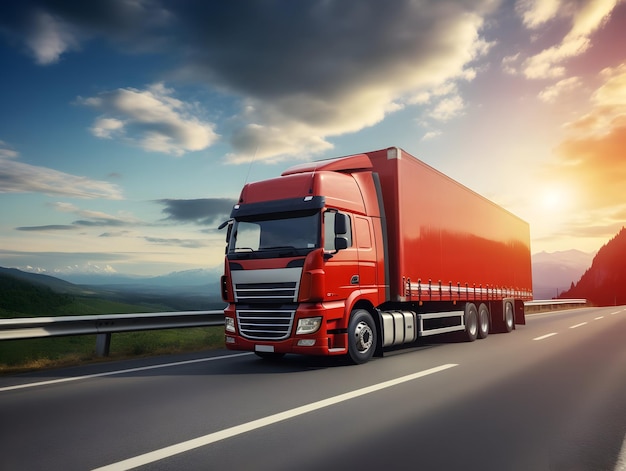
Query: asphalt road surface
549	396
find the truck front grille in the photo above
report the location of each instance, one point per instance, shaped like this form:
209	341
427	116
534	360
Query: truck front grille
266	301
265	324
277	292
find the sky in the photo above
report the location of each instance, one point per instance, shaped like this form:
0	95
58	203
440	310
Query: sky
128	127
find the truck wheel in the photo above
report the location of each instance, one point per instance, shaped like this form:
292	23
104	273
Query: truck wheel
483	321
509	321
361	336
471	322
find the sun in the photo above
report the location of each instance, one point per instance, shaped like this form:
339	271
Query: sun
554	199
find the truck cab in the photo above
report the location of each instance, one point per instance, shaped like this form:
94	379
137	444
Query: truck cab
303	251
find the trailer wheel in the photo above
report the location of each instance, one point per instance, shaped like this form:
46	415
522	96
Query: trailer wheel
361	336
471	322
509	321
483	321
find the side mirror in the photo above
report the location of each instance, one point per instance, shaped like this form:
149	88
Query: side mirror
341	224
228	223
224	224
341	243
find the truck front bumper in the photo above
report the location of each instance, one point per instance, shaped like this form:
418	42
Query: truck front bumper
321	345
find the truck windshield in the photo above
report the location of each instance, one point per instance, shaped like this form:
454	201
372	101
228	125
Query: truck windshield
275	235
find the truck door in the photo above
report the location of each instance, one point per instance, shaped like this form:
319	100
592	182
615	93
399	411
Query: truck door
366	253
342	267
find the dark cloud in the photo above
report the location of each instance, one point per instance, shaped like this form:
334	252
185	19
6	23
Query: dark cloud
51	227
114	234
103	222
206	211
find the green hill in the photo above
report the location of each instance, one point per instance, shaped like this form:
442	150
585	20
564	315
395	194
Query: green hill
22	298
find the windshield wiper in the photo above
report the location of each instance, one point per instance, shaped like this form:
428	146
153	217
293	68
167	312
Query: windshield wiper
284	250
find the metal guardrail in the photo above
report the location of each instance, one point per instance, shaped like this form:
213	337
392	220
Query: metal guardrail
551	304
554	301
104	325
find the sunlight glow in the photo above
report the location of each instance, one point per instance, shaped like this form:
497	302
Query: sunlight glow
554	199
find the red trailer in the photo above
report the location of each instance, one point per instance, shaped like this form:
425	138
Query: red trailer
351	255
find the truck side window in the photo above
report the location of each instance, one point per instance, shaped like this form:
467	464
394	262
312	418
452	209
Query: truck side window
329	231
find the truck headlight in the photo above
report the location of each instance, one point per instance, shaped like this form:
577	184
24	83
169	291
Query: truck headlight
229	324
308	325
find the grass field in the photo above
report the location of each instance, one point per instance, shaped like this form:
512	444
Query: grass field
30	354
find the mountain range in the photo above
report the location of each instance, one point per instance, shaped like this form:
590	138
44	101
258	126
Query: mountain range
553	273
178	291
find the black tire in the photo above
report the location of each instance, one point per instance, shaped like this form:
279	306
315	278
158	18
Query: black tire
361	336
270	356
471	322
483	321
509	317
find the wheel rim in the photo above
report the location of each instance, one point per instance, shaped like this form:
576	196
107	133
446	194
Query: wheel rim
473	327
364	337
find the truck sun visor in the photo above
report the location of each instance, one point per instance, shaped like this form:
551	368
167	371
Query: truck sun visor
278	206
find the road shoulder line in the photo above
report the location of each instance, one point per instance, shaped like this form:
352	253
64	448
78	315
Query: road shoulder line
119	372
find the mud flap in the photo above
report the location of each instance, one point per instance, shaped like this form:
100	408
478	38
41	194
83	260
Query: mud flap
520	317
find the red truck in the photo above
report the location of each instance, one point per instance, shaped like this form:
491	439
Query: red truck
352	255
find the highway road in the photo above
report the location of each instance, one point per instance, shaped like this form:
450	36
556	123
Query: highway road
549	396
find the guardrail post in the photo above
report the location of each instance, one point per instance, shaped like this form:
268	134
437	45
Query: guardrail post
103	344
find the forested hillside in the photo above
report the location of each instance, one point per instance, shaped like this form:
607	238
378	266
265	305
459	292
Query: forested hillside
604	283
18	297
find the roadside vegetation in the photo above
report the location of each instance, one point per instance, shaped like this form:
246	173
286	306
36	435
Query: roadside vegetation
20	298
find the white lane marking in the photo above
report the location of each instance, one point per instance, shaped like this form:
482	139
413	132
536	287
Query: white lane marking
119	372
188	445
598	318
545	336
577	325
616	312
621	459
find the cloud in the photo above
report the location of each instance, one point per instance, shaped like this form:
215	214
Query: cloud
48	29
207	211
151	119
18	177
302	72
431	135
448	108
50	227
49	38
551	93
357	63
96	218
585	18
185	243
535	13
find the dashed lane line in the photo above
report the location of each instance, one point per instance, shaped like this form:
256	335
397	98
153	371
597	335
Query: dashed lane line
545	336
192	444
577	325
